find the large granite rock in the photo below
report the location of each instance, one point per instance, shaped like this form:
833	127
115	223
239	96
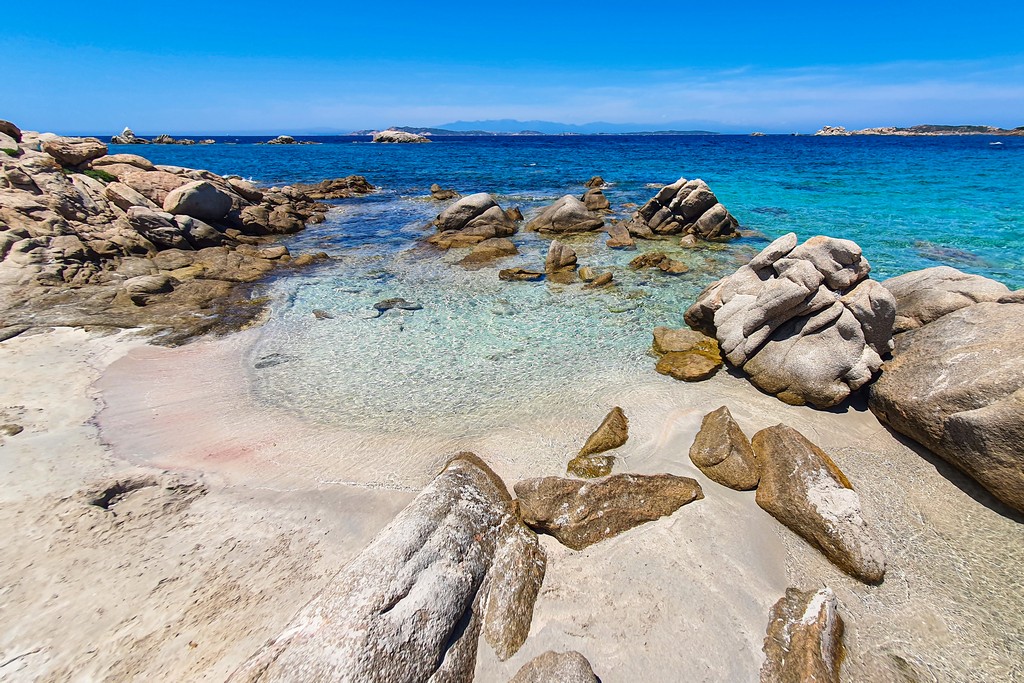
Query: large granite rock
489	250
560	257
566	215
926	295
411	607
686	355
556	667
158	227
802	488
684	207
399	136
198	199
804	322
595	200
334	188
956	386
580	513
471	220
73	151
153	185
805	638
722	452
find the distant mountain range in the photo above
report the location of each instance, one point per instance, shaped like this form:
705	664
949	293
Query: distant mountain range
514	127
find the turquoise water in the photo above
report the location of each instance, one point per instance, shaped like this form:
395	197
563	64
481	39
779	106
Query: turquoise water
482	352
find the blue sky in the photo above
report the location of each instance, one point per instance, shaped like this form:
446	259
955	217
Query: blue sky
316	66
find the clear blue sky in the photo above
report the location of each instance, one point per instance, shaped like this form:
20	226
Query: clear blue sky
195	67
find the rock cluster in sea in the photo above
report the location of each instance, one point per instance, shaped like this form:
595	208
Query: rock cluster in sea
399	136
128	137
91	238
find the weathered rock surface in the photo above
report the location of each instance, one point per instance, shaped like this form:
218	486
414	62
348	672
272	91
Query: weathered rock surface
802	488
804	639
74	151
440	194
560	257
488	251
926	295
399	136
686	355
471	220
688	366
611	433
153	185
596	181
556	667
566	215
595	200
336	188
722	452
457	562
804	322
659	260
580	513
198	199
956	386
619	237
687	207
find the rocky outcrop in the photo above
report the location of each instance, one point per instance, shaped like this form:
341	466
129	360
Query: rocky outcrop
471	220
684	207
595	181
519	275
956	386
833	131
439	194
71	241
556	667
567	215
595	200
619	237
399	136
455	564
610	434
282	140
926	295
722	452
73	151
580	513
805	638
804	322
337	188
128	137
802	488
686	355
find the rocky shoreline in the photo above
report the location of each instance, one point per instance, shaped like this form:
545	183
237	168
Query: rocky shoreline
457	580
100	240
919	131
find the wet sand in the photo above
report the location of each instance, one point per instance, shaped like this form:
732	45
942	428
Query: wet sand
184	584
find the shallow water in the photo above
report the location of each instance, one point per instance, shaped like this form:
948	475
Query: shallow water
483	352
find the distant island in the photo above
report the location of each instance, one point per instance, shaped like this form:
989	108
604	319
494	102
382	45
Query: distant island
443	132
922	130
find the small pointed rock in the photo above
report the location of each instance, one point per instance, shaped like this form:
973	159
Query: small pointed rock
723	453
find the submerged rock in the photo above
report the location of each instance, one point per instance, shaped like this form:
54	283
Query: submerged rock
804	639
489	250
519	274
455	564
566	215
580	513
722	452
556	667
802	488
386	305
686	355
956	386
660	260
804	322
688	366
688	207
437	193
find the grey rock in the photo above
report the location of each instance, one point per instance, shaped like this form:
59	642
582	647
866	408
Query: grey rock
956	386
806	324
457	562
560	257
566	215
926	295
157	227
199	199
685	206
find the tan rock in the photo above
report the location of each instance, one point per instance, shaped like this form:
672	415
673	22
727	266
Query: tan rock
688	366
154	185
73	151
489	250
804	639
132	160
619	237
802	488
669	340
590	466
595	200
199	199
519	274
580	513
612	433
556	667
722	452
560	257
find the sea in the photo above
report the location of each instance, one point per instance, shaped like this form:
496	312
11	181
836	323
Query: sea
482	352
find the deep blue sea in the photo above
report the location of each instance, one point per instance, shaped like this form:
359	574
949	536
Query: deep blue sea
482	352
